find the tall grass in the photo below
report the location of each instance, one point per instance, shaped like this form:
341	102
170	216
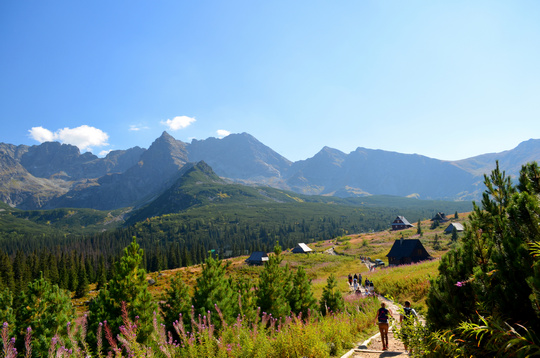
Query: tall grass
406	282
292	336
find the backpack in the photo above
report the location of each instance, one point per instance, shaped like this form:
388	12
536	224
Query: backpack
408	312
383	315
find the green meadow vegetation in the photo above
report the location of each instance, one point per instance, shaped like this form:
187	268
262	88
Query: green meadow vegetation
479	294
253	333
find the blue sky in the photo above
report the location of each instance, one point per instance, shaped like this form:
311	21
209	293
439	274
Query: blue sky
445	79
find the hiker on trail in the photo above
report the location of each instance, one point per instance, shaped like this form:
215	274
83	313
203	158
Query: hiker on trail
367	284
359	280
350	280
383	315
355	281
371	289
406	320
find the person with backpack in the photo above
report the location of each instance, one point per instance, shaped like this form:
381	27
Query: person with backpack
406	320
383	315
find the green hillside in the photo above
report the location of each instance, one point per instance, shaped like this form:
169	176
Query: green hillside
57	221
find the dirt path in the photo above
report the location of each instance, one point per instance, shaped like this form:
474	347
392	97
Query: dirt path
372	348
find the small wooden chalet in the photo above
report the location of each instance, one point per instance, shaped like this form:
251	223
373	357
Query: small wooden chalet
440	217
450	228
407	251
401	223
257	258
301	249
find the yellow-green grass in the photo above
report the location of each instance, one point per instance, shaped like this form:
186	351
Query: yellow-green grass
406	282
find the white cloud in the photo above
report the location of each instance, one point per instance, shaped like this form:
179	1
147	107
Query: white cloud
137	127
178	122
83	137
41	134
222	133
104	153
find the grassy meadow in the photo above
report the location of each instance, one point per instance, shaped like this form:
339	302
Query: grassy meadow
334	334
408	282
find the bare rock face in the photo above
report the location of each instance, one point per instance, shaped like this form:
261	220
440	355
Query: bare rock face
155	169
239	157
52	175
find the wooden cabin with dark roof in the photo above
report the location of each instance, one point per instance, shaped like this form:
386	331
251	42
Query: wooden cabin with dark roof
401	223
440	217
257	258
407	251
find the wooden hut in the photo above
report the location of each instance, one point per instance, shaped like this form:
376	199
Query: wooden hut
407	251
257	258
440	217
301	249
401	223
450	228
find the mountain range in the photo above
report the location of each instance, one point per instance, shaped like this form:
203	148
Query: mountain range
53	175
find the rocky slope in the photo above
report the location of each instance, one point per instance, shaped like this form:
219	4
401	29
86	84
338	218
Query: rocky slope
53	175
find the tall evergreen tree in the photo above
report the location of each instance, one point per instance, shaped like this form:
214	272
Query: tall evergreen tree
82	282
331	300
7	276
177	302
454	235
214	288
7	313
101	275
21	272
247	300
301	297
47	309
274	286
489	271
129	285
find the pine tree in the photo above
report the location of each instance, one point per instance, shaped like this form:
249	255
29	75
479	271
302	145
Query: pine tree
454	235
247	299
82	283
128	285
177	301
214	288
47	309
419	228
7	313
489	271
274	286
7	276
331	300
73	273
21	272
301	297
101	275
436	243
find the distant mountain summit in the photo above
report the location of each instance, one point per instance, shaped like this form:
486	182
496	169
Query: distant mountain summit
239	156
52	175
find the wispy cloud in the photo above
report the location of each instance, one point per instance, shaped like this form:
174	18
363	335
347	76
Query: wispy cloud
137	127
84	137
222	133
179	122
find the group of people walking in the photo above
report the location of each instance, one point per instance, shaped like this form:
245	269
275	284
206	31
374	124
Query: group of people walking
356	283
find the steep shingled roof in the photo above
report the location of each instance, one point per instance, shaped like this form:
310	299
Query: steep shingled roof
406	248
